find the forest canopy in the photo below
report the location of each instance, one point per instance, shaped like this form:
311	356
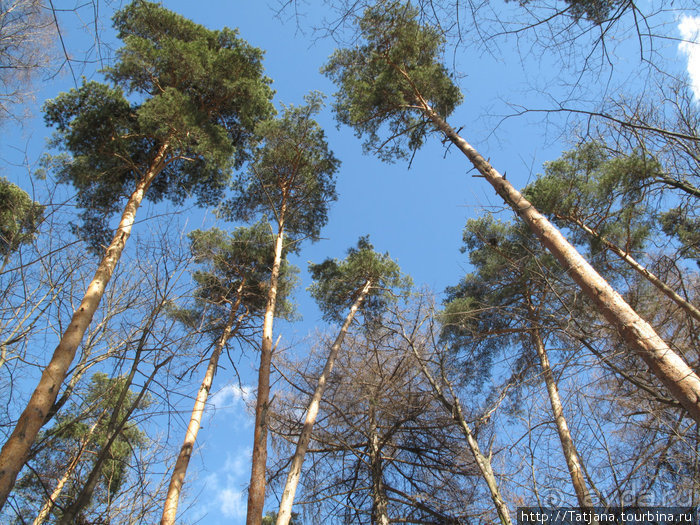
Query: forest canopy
462	281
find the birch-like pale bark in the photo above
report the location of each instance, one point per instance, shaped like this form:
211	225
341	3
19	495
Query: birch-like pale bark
256	489
290	487
573	461
178	476
51	500
483	462
380	514
15	450
640	269
664	363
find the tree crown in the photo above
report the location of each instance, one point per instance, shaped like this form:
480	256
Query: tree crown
19	217
607	193
199	94
338	283
383	81
292	174
229	261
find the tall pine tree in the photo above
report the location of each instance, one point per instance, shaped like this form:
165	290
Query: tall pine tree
197	95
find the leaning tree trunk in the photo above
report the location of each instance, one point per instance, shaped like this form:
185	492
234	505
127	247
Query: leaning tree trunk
176	480
483	462
669	367
290	487
256	489
51	500
573	461
16	449
641	270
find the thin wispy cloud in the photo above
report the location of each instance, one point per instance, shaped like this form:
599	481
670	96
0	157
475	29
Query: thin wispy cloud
689	28
225	489
232	396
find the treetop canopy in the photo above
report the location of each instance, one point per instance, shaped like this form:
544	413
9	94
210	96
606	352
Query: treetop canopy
292	175
383	81
337	283
19	217
604	192
228	260
200	95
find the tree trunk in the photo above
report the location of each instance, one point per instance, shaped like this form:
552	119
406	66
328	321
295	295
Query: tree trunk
482	462
290	487
114	428
256	489
51	500
669	367
173	497
567	444
641	270
380	514
16	449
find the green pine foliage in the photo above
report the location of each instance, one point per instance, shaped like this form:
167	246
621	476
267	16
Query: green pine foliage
291	176
20	217
607	193
381	80
487	310
337	283
225	261
175	82
59	445
595	11
684	226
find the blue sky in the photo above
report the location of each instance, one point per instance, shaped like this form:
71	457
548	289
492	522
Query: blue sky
416	215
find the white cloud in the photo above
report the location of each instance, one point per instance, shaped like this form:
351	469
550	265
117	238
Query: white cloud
232	503
225	488
232	396
689	28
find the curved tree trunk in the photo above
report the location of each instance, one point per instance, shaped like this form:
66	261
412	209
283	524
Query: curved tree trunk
256	489
16	449
176	480
641	270
290	487
668	366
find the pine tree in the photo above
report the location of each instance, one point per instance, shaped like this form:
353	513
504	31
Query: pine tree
20	217
507	301
77	438
363	281
197	97
231	287
393	81
290	181
605	202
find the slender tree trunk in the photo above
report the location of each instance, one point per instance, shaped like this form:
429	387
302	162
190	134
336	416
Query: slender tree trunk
16	449
567	444
114	428
256	489
641	270
483	462
380	514
173	497
290	487
668	366
51	500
